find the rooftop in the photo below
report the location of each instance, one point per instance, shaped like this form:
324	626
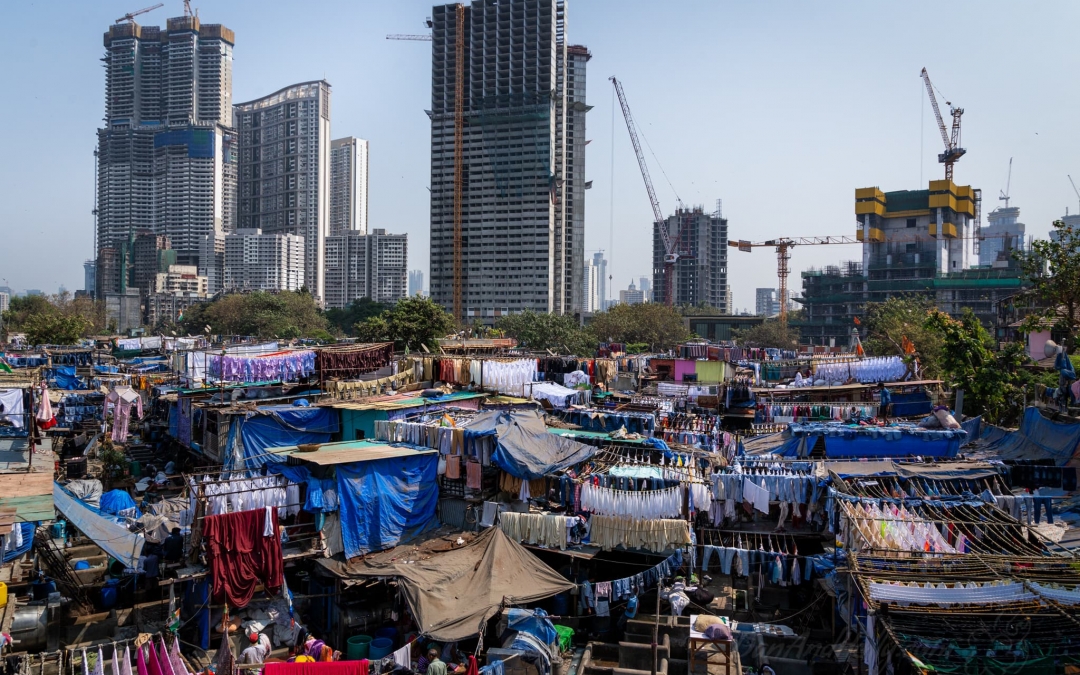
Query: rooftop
347	452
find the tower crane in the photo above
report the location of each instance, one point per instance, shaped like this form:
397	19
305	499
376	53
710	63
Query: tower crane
1074	187
783	255
1004	196
130	16
459	147
953	151
671	256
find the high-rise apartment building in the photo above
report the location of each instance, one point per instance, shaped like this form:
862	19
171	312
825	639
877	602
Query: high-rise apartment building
646	288
631	296
348	185
520	191
165	159
258	261
594	284
89	276
284	170
765	303
700	276
151	254
366	266
1004	233
416	282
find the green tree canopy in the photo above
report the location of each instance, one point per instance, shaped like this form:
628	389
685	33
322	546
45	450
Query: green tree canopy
769	333
539	332
345	319
408	324
54	320
889	323
285	315
993	382
657	325
1052	267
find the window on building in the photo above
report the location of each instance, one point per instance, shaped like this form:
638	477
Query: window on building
911	222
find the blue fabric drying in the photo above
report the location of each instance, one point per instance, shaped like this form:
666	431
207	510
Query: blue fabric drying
321	492
63	377
386	502
117	502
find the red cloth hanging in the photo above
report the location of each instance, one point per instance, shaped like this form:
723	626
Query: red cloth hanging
241	556
318	668
472	668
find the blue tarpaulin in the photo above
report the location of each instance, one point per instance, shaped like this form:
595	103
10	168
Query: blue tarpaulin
524	448
386	502
1037	438
119	503
63	377
321	492
279	426
849	441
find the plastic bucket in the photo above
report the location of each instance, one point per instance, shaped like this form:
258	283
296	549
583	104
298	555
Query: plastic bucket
109	592
136	470
82	565
357	647
380	647
389	633
58	529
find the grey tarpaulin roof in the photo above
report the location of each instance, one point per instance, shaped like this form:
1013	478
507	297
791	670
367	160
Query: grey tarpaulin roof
524	448
935	471
452	593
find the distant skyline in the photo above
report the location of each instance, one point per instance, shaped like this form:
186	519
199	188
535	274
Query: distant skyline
784	109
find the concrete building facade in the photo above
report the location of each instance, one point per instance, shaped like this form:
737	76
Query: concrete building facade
1004	233
594	284
631	296
522	172
416	282
258	261
370	265
169	306
284	170
180	279
700	277
165	159
765	303
348	185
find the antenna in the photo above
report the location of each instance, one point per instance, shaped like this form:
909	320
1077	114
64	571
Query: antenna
1004	196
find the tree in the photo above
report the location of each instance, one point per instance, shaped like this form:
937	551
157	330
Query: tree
769	333
541	331
358	310
410	323
993	382
285	315
1052	269
889	323
55	320
657	325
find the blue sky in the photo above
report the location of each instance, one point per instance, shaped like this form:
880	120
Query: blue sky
779	108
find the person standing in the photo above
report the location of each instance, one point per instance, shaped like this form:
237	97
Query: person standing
435	665
886	401
259	649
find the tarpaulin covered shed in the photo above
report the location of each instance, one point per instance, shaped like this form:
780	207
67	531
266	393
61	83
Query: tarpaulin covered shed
1037	438
276	426
113	538
453	593
524	448
846	440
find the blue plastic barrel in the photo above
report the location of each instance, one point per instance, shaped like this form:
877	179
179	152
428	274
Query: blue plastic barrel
58	529
356	647
380	647
109	593
389	633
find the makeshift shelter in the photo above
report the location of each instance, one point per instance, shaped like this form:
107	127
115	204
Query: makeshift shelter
253	434
453	593
848	440
1038	438
524	448
112	537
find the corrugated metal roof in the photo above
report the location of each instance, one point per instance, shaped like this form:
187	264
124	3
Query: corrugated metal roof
346	452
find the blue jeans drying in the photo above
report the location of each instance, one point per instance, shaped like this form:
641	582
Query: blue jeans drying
1039	503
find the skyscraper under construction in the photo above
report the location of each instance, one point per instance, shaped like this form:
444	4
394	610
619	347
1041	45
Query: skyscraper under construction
517	191
165	159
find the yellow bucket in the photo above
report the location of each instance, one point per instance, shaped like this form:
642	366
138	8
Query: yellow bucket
3	594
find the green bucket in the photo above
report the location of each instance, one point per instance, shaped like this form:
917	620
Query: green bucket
136	470
357	647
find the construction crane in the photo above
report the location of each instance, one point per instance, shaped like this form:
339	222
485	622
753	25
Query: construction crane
130	16
459	146
1004	196
1074	188
783	255
953	151
671	256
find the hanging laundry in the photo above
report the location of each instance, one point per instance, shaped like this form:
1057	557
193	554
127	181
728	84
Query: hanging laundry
241	556
122	400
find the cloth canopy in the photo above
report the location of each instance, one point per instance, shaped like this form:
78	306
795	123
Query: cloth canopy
1037	438
524	448
452	594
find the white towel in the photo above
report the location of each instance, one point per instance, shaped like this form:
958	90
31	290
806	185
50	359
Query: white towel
268	525
403	656
756	495
487	518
